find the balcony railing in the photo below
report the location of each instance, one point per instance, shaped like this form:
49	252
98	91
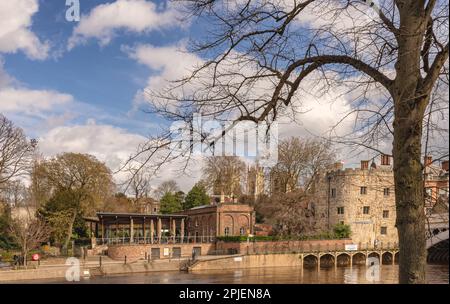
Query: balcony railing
155	240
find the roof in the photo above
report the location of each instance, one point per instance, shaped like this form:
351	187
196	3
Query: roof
118	214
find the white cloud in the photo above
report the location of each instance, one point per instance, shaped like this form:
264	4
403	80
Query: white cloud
109	144
15	33
167	63
138	16
31	102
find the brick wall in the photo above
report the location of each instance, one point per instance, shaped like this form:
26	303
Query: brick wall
136	252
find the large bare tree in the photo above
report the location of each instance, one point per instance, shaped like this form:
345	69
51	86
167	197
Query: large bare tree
261	59
28	232
224	174
299	162
15	151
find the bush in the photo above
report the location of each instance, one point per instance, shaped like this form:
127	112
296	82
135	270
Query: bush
342	231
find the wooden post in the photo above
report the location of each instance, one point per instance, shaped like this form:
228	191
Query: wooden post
152	231
182	230
158	229
143	230
103	231
174	230
131	230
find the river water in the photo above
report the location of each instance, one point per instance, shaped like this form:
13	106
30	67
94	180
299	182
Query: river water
388	274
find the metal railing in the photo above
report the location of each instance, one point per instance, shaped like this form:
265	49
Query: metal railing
156	240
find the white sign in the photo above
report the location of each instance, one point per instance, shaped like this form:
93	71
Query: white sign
351	247
238	259
166	252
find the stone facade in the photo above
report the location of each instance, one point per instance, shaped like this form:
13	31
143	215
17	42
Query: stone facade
436	183
220	220
163	251
363	198
281	246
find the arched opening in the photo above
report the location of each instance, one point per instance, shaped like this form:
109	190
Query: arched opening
386	258
439	253
310	261
373	258
396	256
359	259
326	261
343	259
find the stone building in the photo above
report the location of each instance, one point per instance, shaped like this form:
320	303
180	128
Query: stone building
362	198
255	180
220	220
436	183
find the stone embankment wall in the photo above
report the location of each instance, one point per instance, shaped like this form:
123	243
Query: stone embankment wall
249	261
282	246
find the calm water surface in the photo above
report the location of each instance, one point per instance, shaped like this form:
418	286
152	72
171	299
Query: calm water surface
280	275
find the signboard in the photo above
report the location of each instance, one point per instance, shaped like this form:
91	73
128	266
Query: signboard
351	247
166	252
35	257
238	259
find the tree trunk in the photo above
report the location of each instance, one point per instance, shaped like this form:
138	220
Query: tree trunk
409	192
410	101
69	233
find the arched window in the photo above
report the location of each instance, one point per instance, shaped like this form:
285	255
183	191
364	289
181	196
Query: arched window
227	230
242	231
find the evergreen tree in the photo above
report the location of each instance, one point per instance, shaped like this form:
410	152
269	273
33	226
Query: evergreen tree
196	197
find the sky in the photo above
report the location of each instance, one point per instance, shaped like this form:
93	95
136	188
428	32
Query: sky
77	86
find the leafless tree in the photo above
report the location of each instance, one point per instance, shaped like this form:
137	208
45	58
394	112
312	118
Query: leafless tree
224	174
14	192
289	213
169	186
299	162
15	151
263	58
29	232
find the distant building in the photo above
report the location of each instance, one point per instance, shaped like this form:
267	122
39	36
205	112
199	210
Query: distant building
255	180
436	183
148	205
220	220
362	198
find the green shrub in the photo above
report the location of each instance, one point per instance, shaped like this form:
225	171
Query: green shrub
342	231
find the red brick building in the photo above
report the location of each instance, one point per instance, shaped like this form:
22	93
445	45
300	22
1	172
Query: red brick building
220	220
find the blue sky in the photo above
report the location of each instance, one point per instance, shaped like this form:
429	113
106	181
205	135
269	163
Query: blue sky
77	86
101	76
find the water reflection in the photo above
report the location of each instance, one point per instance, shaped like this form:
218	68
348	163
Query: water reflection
280	275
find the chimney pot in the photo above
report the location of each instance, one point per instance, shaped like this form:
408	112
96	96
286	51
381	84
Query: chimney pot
364	164
338	166
444	165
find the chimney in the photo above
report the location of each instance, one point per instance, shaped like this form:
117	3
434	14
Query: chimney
428	159
444	165
338	166
364	164
385	160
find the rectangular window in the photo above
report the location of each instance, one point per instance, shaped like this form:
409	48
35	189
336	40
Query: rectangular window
363	190
366	209
383	230
333	192
385	213
340	210
386	191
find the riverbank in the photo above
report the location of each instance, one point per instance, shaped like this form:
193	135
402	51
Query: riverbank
89	269
436	274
